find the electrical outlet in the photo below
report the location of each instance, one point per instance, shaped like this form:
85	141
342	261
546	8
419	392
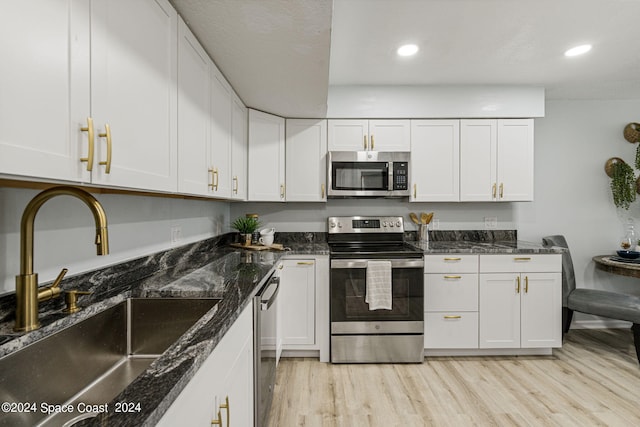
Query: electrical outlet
435	224
176	234
490	222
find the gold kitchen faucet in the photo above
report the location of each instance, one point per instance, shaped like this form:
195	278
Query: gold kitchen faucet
27	293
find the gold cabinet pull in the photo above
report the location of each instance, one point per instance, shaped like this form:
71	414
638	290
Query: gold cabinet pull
452	317
452	259
518	285
526	284
305	263
415	191
522	258
215	178
235	185
217	421
373	144
322	191
365	142
453	277
228	408
282	191
212	186
107	134
501	190
493	192
90	139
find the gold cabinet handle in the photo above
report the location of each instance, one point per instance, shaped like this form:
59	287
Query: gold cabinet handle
282	191
501	190
452	259
212	186
91	141
452	317
322	191
217	421
107	134
228	408
493	192
526	284
453	277
365	142
415	191
235	185
518	285
215	179
373	144
305	263
280	267
522	258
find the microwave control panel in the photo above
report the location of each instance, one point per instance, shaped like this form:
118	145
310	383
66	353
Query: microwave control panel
400	175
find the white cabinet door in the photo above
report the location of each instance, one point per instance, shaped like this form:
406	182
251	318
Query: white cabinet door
240	123
515	160
435	160
193	114
389	135
374	135
133	90
348	135
221	108
266	157
44	89
306	152
297	303
541	310
199	402
478	160
500	310
496	160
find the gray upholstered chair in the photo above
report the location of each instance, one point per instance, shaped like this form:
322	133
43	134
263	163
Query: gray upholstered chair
613	305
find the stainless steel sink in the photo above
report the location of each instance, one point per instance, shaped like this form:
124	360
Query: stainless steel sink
92	361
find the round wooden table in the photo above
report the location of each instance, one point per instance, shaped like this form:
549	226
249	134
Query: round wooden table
605	263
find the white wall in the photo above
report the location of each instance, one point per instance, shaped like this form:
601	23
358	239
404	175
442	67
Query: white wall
65	230
572	196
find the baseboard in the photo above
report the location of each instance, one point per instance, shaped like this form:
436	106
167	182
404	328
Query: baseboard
600	324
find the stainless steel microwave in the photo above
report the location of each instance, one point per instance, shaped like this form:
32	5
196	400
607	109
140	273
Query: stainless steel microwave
368	174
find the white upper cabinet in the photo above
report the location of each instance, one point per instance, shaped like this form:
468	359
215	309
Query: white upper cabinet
193	114
435	160
306	165
44	89
239	122
266	154
133	93
496	160
221	107
373	135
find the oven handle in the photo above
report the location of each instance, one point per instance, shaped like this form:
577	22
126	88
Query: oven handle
266	303
362	263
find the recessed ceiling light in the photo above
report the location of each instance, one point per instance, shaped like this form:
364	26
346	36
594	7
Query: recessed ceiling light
578	50
407	50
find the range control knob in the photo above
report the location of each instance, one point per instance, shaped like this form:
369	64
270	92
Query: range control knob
332	225
339	225
384	224
398	224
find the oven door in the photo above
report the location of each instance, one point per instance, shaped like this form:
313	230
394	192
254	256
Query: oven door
351	314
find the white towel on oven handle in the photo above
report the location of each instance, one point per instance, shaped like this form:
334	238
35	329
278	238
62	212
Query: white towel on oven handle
379	285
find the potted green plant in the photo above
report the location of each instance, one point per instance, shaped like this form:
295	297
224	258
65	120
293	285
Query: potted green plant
623	182
246	226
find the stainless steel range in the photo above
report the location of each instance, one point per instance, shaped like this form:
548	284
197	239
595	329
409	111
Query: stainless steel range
377	292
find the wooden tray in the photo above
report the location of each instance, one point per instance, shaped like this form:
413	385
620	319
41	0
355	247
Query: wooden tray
275	247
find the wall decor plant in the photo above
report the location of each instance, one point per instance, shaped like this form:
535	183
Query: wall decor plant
624	184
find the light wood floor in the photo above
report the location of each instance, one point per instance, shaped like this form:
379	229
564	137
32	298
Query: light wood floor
594	380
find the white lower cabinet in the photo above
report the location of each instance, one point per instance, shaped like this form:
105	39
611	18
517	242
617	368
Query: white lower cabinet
222	389
520	309
451	302
296	302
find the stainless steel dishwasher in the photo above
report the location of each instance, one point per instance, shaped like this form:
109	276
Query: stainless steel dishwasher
264	348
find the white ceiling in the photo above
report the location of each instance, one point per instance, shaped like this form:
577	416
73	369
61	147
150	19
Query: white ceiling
276	53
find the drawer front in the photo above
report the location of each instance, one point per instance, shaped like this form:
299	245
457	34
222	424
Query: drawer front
516	263
451	263
457	292
451	330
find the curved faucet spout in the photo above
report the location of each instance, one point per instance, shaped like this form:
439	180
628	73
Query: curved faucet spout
27	295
